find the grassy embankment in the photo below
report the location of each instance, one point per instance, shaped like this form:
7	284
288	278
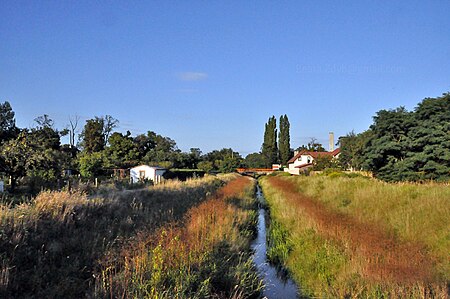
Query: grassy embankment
350	237
205	255
57	246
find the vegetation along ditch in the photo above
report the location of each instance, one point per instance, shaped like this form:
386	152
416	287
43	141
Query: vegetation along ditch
177	240
355	237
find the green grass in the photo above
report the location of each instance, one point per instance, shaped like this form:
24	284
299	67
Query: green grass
326	264
415	212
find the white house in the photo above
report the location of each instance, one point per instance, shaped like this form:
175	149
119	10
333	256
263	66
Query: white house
303	160
145	172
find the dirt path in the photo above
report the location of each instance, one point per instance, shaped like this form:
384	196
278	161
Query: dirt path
384	257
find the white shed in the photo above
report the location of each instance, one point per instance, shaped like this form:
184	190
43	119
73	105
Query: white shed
145	172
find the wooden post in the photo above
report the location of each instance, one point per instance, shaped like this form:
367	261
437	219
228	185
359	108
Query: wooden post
96	183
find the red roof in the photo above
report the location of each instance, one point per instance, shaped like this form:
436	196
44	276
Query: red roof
314	154
304	165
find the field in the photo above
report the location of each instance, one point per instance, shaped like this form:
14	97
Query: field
350	237
177	240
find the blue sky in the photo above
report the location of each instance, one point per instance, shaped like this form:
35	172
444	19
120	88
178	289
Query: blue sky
210	73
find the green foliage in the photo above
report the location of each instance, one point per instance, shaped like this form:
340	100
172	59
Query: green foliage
284	140
92	136
404	146
224	160
206	166
122	151
312	146
255	160
91	164
35	153
8	129
325	161
269	148
352	149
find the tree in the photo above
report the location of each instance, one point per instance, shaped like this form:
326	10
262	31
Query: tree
160	149
14	155
284	142
44	133
34	153
109	123
352	149
8	129
224	160
404	146
255	160
44	121
91	164
389	142
269	147
122	151
92	136
312	146
206	166
73	122
322	162
96	132
194	157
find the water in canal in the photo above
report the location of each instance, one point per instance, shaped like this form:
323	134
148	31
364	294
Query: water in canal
276	284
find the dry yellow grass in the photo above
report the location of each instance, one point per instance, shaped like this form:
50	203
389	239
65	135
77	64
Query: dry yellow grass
52	246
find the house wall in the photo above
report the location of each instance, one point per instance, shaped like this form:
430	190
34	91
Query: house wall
151	173
303	159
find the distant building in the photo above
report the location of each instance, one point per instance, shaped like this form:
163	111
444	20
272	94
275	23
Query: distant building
145	172
303	160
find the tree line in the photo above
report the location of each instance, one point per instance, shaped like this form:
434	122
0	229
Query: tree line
36	157
403	145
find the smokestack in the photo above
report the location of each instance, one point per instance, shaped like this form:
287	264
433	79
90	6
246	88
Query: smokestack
331	148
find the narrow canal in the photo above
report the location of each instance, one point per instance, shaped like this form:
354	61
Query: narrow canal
276	286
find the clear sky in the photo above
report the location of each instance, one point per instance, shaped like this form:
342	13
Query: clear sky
210	73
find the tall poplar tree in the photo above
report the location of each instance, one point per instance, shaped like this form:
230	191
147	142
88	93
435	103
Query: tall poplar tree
269	148
284	143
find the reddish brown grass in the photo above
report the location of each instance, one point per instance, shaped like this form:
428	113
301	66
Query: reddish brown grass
386	257
179	245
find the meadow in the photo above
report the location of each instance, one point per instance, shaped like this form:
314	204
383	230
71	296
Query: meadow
359	237
71	245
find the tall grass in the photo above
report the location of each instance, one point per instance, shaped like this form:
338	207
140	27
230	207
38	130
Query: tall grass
361	237
54	247
205	255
